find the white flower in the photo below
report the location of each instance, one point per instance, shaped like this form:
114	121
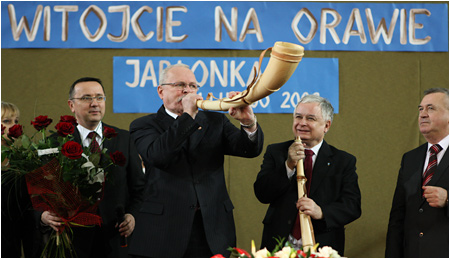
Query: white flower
285	252
89	165
47	151
327	252
99	177
261	253
98	174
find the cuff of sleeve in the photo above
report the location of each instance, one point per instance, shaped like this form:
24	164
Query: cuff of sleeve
290	172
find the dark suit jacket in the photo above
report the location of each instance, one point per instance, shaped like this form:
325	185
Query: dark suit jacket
124	186
184	166
334	187
416	229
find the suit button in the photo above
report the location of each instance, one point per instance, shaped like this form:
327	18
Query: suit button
421	234
420	210
192	207
289	222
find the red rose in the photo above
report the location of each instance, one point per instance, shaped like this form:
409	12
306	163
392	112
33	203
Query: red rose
217	256
65	128
72	150
118	158
301	254
3	130
15	131
70	119
41	122
109	132
242	252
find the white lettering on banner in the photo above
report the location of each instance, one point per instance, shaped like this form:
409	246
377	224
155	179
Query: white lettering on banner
165	22
221	19
23	24
135	63
125	9
65	9
355	17
229	71
290	100
102	27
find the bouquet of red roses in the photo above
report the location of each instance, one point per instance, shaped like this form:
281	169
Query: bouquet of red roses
62	176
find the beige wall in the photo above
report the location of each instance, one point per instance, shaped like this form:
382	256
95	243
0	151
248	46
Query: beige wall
379	93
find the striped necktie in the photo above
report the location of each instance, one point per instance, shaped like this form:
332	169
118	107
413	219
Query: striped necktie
95	147
432	164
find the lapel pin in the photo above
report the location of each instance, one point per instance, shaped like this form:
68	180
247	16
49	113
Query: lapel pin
329	163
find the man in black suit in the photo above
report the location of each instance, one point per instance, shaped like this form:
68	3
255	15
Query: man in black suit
187	211
418	222
124	187
334	198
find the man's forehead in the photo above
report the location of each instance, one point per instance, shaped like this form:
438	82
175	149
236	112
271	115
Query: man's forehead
434	99
88	88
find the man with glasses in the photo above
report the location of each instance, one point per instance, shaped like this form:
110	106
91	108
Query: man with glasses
187	211
123	189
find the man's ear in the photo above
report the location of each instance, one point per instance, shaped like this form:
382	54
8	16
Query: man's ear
71	105
327	126
160	92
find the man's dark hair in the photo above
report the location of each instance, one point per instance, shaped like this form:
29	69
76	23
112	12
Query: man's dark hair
84	79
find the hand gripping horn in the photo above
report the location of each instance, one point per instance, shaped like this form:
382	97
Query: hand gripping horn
282	64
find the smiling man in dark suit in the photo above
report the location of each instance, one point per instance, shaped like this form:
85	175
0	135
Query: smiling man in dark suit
334	198
187	211
124	187
418	223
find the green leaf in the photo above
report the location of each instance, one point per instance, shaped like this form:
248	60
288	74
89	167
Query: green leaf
95	159
26	141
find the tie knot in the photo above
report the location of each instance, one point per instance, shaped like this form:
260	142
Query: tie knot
309	152
92	134
435	149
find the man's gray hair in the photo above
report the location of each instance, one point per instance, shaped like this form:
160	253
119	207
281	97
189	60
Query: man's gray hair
163	74
325	105
436	90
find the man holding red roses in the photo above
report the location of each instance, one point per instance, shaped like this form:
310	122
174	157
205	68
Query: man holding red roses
125	183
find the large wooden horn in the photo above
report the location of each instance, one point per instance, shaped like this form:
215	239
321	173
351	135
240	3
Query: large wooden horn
306	227
282	64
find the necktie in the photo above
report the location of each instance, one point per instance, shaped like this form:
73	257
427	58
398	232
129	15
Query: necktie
432	164
307	165
95	147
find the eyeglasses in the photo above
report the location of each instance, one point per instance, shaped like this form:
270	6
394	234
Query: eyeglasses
182	85
90	99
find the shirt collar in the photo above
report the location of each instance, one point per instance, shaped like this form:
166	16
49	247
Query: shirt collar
85	132
316	148
173	115
443	143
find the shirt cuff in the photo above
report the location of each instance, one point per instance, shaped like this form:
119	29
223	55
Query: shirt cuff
290	172
251	135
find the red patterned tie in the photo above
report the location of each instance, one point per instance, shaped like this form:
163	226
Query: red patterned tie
432	164
307	164
95	147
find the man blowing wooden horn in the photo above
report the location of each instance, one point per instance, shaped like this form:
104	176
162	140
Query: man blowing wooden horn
333	199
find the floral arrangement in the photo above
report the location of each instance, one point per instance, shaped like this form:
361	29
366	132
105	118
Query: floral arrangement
285	250
61	175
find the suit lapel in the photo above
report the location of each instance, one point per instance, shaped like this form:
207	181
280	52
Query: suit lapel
413	186
164	120
321	167
76	136
197	136
108	143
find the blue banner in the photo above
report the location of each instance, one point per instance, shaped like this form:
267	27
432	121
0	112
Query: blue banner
326	26
136	79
